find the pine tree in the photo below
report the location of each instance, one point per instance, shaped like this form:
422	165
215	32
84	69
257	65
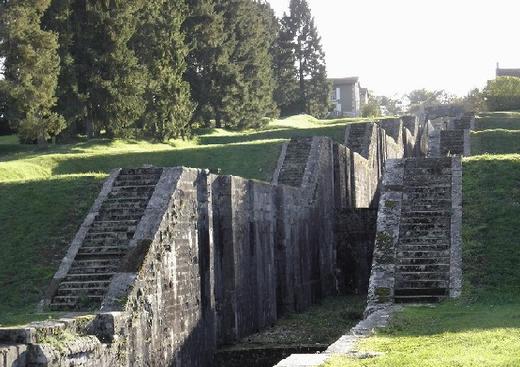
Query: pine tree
245	84
204	30
111	81
60	19
31	70
161	48
313	87
285	72
317	85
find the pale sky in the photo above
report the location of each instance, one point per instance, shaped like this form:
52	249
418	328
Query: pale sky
395	46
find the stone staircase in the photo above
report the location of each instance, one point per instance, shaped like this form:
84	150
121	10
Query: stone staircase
295	162
107	241
423	252
452	142
356	138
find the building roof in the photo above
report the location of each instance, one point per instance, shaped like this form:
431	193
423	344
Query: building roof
342	81
508	72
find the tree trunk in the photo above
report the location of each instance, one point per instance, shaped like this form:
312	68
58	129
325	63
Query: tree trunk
42	142
303	102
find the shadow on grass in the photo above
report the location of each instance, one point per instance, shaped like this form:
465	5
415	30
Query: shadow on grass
38	219
336	132
255	160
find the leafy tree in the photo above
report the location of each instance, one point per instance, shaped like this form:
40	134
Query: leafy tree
424	97
474	101
390	106
244	84
31	70
371	109
161	48
503	94
313	87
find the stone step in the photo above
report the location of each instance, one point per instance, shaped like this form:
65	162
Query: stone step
117	225
82	277
441	233
424	224
137	181
401	292
423	241
428	171
421	275
430	283
419	299
90	291
140	171
94	268
439	247
422	195
73	299
105	241
123	236
422	254
427	163
434	260
423	267
119	216
112	229
99	250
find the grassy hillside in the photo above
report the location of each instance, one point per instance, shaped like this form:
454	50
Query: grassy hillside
482	328
46	194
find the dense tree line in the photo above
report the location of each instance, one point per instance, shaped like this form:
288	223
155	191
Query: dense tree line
155	68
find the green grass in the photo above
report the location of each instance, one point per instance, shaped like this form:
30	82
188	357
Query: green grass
483	327
46	193
496	141
498	120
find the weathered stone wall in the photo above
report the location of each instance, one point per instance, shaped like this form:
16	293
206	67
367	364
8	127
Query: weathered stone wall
244	236
215	258
355	235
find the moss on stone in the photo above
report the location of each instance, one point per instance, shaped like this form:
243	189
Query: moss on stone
390	204
383	294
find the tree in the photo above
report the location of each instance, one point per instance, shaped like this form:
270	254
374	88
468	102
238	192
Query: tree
31	70
503	94
244	84
371	109
61	20
204	30
4	123
390	106
426	98
284	68
111	81
313	87
474	101
160	46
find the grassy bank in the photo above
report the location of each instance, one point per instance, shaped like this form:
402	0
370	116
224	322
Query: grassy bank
483	327
46	193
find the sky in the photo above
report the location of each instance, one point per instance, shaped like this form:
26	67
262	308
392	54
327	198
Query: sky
395	46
